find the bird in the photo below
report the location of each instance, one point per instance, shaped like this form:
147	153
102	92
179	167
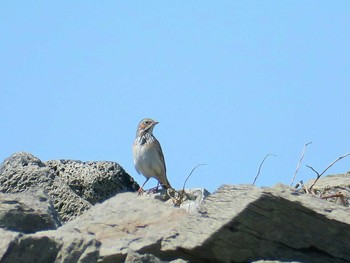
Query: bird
148	155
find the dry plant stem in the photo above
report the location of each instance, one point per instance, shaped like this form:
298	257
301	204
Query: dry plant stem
329	166
299	163
331	196
256	177
183	188
318	175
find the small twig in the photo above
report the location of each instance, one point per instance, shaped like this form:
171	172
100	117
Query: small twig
331	196
299	163
329	166
177	200
318	175
267	155
183	189
339	158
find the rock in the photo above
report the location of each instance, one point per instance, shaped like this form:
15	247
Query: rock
127	221
23	171
333	188
188	199
331	181
66	182
94	181
194	198
235	224
27	212
134	257
7	238
244	224
52	246
124	223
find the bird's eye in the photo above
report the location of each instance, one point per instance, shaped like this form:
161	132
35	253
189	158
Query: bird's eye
146	122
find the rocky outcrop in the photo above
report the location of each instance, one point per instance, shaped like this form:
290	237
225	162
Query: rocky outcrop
244	223
333	188
73	186
51	246
111	229
237	223
28	212
94	181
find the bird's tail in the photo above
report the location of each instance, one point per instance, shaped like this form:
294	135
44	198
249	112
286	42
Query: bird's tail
166	184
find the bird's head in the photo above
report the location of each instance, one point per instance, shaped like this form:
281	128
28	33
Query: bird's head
146	126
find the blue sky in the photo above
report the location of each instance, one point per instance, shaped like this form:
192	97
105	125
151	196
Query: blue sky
229	82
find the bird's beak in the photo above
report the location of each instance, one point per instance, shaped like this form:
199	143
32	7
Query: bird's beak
155	122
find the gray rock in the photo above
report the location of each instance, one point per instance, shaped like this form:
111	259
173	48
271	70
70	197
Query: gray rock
134	257
27	212
22	171
108	232
127	221
52	246
7	238
192	198
66	182
244	223
188	199
94	181
336	180
235	224
334	188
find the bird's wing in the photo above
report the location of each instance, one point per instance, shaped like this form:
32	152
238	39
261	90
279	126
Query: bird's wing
161	157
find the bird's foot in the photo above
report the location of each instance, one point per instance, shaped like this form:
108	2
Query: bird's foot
140	191
152	190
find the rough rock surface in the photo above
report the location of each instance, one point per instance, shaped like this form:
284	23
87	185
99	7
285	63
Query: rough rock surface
67	183
133	257
334	188
339	181
125	222
94	181
235	224
52	246
188	199
238	223
7	239
109	230
244	223
27	212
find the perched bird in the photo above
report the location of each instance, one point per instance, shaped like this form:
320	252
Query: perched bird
148	155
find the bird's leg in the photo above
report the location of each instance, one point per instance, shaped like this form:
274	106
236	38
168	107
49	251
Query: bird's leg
154	189
140	191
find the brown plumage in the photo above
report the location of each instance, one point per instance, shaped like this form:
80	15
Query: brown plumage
148	154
